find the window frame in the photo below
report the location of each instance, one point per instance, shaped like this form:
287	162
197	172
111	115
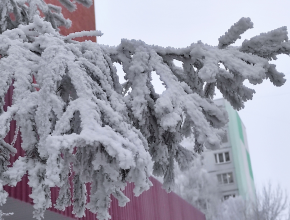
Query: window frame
225	178
217	157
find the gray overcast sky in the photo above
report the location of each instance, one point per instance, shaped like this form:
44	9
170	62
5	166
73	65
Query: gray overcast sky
180	23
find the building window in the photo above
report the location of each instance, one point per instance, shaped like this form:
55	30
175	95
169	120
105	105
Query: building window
222	157
228	196
225	178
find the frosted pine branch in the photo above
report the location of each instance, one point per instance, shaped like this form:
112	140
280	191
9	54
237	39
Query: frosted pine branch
80	121
83	34
268	45
25	10
234	32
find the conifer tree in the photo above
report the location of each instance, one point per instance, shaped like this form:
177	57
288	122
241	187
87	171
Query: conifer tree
78	119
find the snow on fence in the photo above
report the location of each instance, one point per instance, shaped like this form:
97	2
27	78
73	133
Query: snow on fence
154	204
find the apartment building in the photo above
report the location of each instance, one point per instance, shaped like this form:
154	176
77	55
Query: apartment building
231	164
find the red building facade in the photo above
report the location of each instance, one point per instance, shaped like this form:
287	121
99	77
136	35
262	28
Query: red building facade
154	204
83	19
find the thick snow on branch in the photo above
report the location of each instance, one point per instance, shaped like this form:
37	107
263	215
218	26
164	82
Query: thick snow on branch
24	10
83	33
234	32
81	120
268	45
71	6
77	106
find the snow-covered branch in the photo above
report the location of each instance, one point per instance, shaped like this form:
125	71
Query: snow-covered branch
234	32
268	45
78	117
83	33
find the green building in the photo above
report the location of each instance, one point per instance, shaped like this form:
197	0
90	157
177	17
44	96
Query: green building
231	164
